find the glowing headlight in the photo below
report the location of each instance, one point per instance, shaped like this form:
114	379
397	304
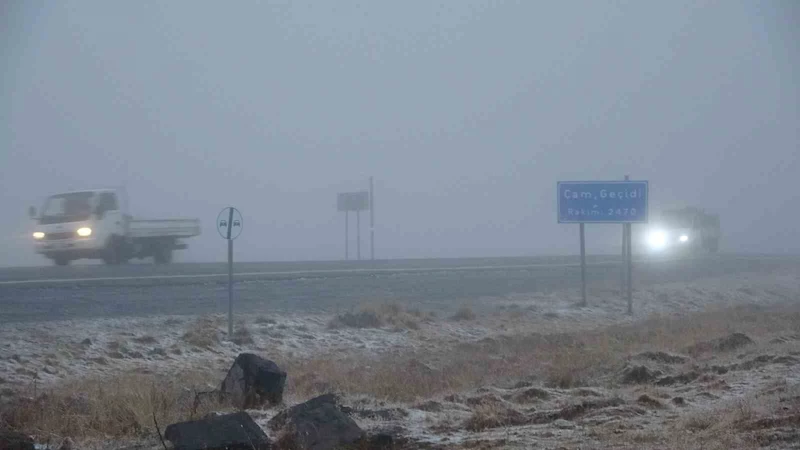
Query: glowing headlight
657	239
84	232
684	238
38	235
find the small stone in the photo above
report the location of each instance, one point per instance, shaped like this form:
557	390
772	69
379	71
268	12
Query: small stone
562	424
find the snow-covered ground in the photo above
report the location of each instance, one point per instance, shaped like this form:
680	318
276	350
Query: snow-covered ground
53	351
50	353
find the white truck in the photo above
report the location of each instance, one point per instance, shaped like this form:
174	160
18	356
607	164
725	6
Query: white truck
95	224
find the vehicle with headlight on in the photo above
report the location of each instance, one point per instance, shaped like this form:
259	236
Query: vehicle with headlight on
95	224
684	230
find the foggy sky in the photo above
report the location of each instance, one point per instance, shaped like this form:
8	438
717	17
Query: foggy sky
466	112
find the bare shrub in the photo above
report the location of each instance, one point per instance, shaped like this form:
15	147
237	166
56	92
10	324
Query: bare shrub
464	313
371	316
264	320
242	335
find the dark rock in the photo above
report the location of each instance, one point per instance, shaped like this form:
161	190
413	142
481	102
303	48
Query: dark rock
317	424
253	381
235	431
662	357
11	440
679	401
720	370
646	400
733	342
67	444
86	342
788	360
728	343
158	351
638	375
531	395
99	360
430	406
684	378
382	414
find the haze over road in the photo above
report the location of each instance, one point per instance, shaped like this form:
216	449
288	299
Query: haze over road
31	294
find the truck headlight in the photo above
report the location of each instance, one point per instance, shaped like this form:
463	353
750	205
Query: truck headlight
84	232
684	238
657	239
38	235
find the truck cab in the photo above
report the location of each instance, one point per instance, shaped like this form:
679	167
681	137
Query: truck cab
95	224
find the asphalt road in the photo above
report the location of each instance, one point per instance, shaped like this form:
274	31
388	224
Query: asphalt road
57	293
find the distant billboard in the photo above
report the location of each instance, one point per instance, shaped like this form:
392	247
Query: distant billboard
353	201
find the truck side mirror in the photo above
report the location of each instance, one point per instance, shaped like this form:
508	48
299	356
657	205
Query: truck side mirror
32	212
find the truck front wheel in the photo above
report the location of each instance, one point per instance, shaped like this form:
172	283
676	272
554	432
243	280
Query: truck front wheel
163	254
61	261
114	253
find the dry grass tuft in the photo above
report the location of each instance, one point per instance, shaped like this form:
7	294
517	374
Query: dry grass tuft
110	407
203	333
485	417
242	335
559	360
385	315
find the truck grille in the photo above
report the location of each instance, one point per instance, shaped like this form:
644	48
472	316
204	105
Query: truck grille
58	236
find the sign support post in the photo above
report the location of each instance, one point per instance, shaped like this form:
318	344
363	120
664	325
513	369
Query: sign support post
354	202
629	268
623	280
229	225
230	287
583	266
610	202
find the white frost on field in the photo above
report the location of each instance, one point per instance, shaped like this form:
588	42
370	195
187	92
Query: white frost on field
46	352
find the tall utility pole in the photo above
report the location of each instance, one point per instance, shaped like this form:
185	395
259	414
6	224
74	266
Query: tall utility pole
371	221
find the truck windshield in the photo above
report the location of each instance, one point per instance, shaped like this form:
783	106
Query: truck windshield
67	208
677	221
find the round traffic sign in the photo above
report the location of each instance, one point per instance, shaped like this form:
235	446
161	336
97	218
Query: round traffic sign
230	223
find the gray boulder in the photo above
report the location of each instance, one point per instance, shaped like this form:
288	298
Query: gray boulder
253	381
318	424
235	431
11	440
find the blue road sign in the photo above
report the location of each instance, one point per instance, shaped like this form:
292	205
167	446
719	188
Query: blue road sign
602	201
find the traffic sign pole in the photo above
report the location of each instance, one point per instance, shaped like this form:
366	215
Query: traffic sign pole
229	226
230	288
